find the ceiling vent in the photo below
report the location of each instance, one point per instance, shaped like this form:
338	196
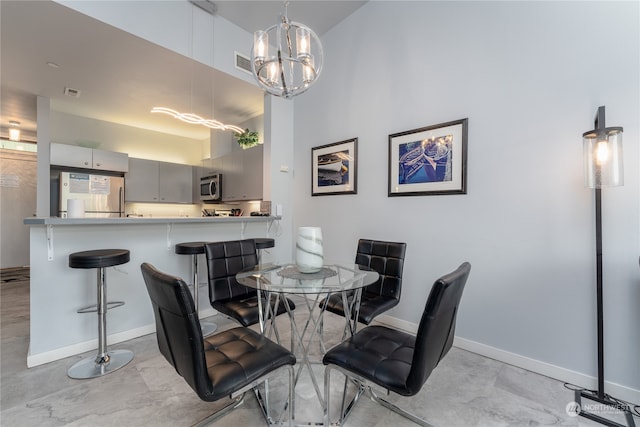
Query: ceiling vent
74	93
206	5
242	63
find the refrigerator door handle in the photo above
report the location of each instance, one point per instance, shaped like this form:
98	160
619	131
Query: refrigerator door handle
121	202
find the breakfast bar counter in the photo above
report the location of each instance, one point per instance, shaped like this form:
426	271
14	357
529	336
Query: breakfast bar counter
57	291
134	220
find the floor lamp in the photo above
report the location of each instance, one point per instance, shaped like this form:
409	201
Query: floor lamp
603	168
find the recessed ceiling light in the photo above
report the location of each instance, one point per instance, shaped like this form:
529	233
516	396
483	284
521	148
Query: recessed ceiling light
53	64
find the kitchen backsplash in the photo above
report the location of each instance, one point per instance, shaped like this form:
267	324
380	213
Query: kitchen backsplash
168	210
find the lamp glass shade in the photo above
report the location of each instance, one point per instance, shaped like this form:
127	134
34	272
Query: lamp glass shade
602	151
260	45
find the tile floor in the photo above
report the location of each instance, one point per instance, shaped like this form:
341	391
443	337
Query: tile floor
465	390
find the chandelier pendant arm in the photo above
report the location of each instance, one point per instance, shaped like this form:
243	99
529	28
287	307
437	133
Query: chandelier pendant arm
285	90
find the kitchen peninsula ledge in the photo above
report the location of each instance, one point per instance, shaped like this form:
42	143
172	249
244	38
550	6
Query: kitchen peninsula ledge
54	220
58	291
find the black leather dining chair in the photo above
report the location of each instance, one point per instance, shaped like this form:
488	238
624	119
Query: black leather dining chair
226	364
224	261
395	360
387	258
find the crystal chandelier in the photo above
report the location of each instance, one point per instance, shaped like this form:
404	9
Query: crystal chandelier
286	59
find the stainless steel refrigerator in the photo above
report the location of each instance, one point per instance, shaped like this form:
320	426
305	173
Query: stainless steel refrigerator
103	195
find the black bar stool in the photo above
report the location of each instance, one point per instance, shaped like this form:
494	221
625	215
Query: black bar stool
194	249
106	361
263	243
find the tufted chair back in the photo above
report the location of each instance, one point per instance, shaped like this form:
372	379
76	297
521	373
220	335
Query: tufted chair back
239	302
224	261
387	258
178	328
437	326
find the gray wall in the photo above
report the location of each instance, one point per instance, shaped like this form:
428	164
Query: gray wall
529	76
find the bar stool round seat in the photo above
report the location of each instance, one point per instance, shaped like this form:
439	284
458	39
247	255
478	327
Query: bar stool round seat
106	361
190	248
99	258
263	243
195	249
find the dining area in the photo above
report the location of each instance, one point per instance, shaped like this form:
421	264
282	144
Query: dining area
294	323
466	388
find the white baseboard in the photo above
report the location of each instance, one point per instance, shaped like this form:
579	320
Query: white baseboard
72	350
562	374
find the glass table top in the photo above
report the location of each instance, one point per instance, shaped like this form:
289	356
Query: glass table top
286	278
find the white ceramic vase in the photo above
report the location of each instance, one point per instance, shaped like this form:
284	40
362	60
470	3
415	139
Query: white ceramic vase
309	257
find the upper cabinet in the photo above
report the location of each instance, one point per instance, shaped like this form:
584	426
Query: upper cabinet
88	158
158	182
252	173
175	182
241	174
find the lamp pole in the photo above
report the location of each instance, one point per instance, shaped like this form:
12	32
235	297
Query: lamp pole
599	124
599	305
603	155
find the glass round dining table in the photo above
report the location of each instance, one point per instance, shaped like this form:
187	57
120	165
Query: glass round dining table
272	281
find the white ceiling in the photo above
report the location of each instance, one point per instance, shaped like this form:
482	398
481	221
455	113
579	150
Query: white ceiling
120	76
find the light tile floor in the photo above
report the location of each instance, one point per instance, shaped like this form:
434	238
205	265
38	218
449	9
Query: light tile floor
465	390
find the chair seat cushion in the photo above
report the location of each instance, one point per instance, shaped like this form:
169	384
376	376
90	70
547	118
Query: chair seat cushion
371	305
378	354
245	309
239	356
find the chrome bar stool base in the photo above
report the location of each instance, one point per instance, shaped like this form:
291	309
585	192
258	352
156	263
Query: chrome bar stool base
208	328
92	367
105	361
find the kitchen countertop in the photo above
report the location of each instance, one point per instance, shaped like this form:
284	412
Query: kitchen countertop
146	220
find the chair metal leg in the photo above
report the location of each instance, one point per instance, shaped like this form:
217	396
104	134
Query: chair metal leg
362	388
397	410
289	407
235	403
345	409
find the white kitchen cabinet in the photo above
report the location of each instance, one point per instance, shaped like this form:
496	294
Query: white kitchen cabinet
158	182
88	158
110	160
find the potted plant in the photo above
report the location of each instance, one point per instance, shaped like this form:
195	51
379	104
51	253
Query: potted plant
247	139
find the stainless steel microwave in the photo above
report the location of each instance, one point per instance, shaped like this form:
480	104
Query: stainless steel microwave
211	188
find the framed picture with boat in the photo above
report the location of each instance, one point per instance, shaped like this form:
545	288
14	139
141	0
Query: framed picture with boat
334	168
429	161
